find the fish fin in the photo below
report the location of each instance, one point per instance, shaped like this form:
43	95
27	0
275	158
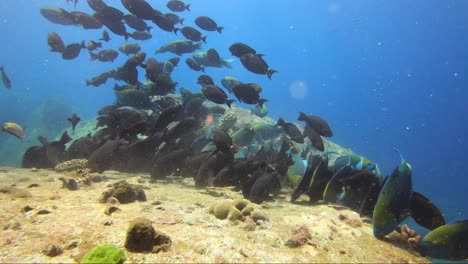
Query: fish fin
187	7
261	102
83	46
302	116
65	138
399	152
125	34
229	102
220	29
93	56
203	38
181	21
270	73
43	140
148	28
359	165
175	30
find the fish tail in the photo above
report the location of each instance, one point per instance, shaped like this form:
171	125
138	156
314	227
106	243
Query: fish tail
187	7
401	156
125	34
261	102
148	28
93	56
83	46
204	39
181	21
270	73
280	122
229	102
220	29
175	30
301	116
202	68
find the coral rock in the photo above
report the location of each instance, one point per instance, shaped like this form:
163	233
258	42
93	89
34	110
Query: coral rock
124	193
141	237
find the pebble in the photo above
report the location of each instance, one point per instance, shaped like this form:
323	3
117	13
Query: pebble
52	250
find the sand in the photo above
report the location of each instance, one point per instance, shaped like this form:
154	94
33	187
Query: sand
75	222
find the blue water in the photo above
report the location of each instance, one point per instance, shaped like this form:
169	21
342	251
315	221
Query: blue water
384	74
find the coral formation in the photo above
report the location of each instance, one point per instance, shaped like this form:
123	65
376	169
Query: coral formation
237	210
123	192
107	253
71	165
142	237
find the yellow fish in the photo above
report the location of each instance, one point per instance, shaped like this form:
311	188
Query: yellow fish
14	129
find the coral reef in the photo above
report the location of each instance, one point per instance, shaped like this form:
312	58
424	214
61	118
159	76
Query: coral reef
236	210
71	165
123	192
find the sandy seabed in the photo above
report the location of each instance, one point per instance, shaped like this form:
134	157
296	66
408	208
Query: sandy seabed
75	221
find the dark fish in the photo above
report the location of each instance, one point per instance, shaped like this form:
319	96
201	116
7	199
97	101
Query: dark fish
58	16
130	48
293	132
167	116
74	119
248	94
140	35
425	212
208	24
174	18
213	56
112	19
243	137
72	51
177	6
174	61
153	69
85	20
306	182
314	137
139	8
136	23
256	64
216	95
105	36
316	123
334	185
192	34
6	81
265	184
212	166
205	80
194	65
34	157
107	109
98	80
172	162
128	72
179	47
14	129
229	82
93	45
449	241
55	42
239	49
357	188
105	55
96	5
103	157
82	147
165	23
222	141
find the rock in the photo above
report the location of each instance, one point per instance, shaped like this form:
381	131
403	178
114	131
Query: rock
111	209
300	236
33	185
71	165
69	184
27	208
141	237
258	215
222	208
52	250
107	253
14	192
235	215
124	193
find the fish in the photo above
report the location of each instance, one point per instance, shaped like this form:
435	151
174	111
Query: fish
216	95
105	36
212	166
211	58
243	137
317	124
230	82
315	138
223	141
193	34
73	50
93	45
98	80
140	35
393	204
55	42
179	47
208	24
104	55
239	49
112	18
5	79
194	65
165	23
130	48
74	119
265	182
85	20
425	213
260	111
104	157
139	8
58	16
362	184
177	6
96	5
448	242
334	185
175	19
248	94
293	132
14	129
169	163
136	23
256	64
205	80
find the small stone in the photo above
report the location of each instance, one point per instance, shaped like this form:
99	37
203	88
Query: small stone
258	215
141	237
242	252
69	184
108	223
234	215
52	250
43	211
33	185
27	208
156	203
72	245
111	209
342	217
